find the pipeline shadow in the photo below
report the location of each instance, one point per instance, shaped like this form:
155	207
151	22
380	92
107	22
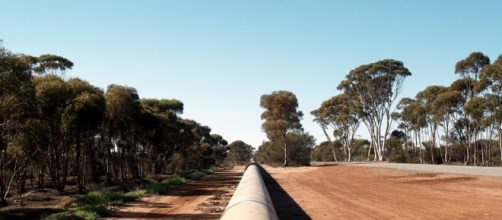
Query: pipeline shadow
285	206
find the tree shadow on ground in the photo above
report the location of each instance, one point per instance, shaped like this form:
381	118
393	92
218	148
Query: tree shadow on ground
27	213
141	215
284	205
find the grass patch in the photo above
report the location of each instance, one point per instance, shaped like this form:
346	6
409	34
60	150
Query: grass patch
86	213
95	204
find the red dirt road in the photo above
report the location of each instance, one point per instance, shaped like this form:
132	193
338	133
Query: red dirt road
195	200
347	192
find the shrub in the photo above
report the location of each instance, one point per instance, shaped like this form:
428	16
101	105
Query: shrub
154	186
213	169
104	197
174	180
194	175
132	195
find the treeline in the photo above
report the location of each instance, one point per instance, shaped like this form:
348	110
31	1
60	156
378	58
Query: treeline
459	123
55	132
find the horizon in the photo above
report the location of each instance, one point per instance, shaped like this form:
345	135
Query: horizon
218	59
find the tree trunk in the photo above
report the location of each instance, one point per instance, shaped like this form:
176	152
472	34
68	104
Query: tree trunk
332	146
79	173
446	143
475	154
500	144
369	150
350	154
285	153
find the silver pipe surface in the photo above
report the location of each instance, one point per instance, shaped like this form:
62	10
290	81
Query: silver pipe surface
251	200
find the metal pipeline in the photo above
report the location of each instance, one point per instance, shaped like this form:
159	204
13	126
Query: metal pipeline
251	200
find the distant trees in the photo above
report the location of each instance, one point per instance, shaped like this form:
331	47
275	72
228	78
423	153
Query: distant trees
323	151
441	124
239	152
369	93
281	116
284	130
466	111
71	132
340	114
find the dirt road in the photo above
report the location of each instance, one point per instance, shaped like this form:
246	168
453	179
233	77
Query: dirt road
351	192
202	199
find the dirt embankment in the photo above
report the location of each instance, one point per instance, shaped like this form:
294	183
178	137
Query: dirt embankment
201	199
346	192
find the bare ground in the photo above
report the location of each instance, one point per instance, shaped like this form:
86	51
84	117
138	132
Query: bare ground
350	192
202	199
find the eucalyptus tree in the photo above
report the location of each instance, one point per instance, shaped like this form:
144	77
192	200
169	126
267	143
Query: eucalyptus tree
122	112
491	80
322	120
53	95
342	116
475	109
19	133
81	119
412	117
49	63
469	69
159	122
373	88
281	116
219	148
426	98
239	152
448	106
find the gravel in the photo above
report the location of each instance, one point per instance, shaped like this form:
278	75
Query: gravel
467	170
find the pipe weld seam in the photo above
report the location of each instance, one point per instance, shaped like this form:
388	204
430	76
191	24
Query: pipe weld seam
250	200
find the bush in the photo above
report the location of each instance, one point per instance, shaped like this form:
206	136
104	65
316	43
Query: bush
213	169
156	188
173	180
104	197
195	175
132	195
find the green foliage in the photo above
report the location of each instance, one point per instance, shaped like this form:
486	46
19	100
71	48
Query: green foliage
281	117
86	213
50	63
323	152
195	175
343	116
173	180
105	198
154	186
299	143
373	89
213	169
48	124
239	152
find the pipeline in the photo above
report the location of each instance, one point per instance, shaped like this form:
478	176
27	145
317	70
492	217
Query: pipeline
251	200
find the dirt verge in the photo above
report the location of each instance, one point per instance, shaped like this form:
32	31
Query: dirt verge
348	192
201	199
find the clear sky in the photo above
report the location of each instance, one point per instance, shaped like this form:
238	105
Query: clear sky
219	57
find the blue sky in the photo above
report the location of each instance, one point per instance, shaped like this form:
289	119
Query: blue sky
219	57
